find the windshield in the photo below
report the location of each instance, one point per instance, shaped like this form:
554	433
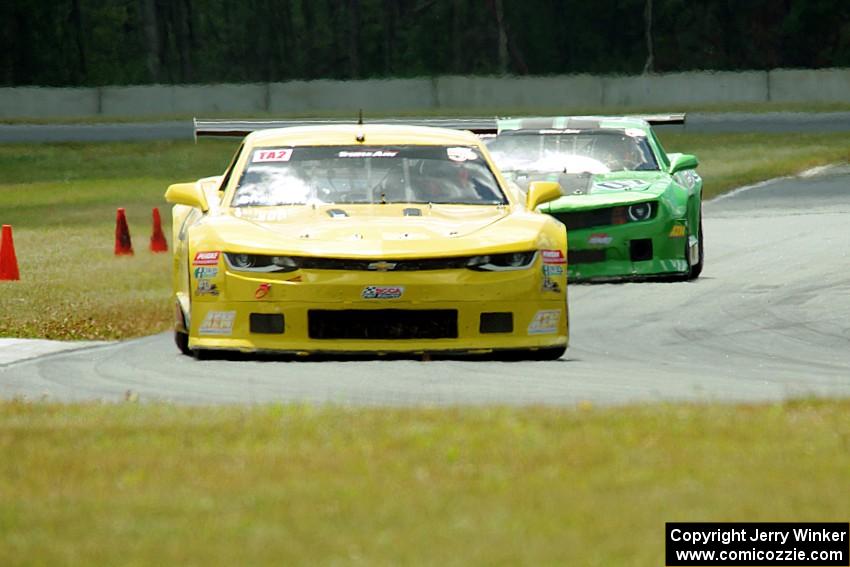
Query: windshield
579	151
367	175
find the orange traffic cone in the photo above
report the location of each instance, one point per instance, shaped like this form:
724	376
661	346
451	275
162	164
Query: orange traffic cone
158	242
123	244
8	260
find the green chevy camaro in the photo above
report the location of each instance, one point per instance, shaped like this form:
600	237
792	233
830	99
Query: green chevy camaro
631	209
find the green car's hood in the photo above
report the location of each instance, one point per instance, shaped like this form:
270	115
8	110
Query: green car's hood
583	191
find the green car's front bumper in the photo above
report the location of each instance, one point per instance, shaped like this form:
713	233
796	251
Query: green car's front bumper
656	247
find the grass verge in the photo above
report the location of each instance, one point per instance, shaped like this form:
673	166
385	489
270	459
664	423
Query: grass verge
157	484
61	201
728	161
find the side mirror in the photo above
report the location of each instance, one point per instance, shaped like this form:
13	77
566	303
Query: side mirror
540	192
681	162
190	194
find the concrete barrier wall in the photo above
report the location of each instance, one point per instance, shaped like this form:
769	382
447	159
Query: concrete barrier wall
183	99
38	102
447	92
519	92
822	85
685	88
375	95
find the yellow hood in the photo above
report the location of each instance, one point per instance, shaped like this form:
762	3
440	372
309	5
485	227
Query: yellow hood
369	231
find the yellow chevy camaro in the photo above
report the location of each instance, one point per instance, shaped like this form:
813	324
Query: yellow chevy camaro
367	239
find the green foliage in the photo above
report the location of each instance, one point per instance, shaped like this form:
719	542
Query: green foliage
89	42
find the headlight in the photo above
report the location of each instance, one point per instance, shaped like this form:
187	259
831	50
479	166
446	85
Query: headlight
260	263
640	212
502	262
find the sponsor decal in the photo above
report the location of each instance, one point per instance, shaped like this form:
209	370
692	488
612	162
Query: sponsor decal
678	231
553	257
461	154
206	259
551	285
218	323
205	272
550	271
262	216
206	287
368	154
261	156
545	322
296	279
382	292
600	239
262	290
553	270
635	133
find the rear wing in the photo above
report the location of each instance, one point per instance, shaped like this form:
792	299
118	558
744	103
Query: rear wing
241	128
662	119
484	127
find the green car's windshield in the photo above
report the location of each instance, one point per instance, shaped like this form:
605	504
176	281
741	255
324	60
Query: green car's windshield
576	151
367	175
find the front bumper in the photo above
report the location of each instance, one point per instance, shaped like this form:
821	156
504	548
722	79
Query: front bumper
227	321
636	250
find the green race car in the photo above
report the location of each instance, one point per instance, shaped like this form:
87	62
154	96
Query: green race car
632	211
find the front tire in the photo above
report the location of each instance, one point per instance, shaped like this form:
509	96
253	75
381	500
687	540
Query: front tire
181	339
696	269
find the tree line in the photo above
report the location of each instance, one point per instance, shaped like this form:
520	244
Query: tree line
114	42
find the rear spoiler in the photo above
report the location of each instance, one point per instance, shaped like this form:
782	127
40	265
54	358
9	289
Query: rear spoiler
484	127
241	128
662	119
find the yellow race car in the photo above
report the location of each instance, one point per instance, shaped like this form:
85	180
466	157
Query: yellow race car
350	238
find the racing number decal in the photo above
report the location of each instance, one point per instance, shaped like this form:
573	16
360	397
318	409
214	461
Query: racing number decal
272	155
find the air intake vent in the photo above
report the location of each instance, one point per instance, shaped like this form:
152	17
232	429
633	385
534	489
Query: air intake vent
267	323
585	256
496	323
382	324
640	249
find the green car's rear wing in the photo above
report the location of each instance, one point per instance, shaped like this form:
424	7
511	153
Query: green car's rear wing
661	119
241	128
540	123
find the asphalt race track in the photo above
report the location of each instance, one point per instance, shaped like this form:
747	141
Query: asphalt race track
766	122
769	319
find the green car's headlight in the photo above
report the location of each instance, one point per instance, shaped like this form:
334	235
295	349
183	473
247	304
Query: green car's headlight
634	213
260	263
502	262
640	212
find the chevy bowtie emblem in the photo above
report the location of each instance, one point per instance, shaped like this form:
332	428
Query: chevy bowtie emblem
381	266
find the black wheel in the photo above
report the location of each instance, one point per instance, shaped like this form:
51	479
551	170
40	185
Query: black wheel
203	354
181	339
696	269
